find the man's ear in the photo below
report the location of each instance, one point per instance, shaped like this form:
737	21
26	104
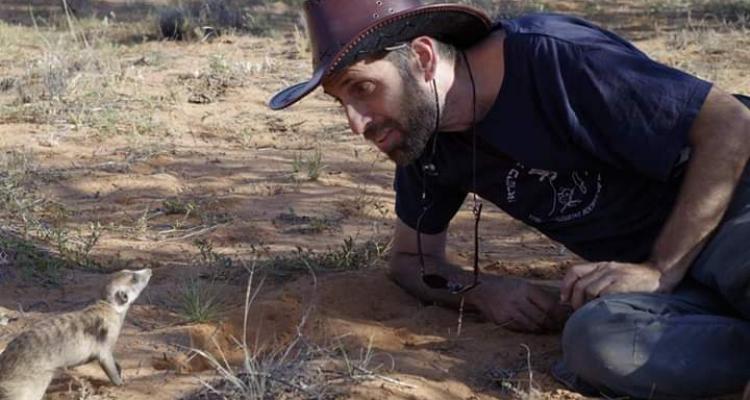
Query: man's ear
121	298
426	56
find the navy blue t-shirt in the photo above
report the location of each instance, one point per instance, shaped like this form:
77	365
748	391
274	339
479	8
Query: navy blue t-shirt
586	142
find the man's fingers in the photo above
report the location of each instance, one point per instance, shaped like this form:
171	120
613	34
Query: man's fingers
578	297
555	313
597	287
542	299
566	286
522	317
521	321
545	302
570	279
533	312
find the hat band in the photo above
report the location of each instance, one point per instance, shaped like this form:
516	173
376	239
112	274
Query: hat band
343	52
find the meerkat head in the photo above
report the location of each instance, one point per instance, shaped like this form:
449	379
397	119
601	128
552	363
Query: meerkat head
125	287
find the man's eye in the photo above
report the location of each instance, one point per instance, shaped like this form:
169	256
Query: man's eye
364	88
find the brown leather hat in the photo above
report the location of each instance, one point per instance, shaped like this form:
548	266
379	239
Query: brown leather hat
344	31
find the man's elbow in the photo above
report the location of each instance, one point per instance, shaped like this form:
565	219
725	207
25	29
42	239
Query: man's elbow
742	127
723	128
745	129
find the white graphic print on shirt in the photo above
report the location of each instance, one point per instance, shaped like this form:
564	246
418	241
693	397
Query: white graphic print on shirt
568	195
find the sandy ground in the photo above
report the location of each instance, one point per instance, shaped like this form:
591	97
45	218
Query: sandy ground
178	146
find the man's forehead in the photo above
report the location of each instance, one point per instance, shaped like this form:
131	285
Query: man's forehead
336	78
361	68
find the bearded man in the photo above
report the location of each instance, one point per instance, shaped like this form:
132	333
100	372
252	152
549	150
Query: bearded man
636	167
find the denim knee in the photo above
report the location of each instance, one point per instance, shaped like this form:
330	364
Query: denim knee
592	344
639	346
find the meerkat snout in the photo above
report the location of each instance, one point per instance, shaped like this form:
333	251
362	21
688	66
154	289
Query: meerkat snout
30	360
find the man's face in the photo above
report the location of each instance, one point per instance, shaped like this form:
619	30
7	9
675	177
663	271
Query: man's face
389	106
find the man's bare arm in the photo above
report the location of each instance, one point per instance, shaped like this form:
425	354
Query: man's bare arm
720	144
510	302
720	140
404	265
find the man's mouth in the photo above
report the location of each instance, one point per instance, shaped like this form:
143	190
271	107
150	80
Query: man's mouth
382	136
386	139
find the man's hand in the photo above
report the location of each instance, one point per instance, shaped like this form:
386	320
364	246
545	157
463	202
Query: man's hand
585	282
519	305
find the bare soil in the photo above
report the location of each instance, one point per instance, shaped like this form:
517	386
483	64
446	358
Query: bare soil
170	148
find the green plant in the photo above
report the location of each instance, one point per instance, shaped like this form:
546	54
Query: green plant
35	264
315	165
348	256
312	166
363	204
208	257
246	136
34	216
199	301
179	206
297	163
79	248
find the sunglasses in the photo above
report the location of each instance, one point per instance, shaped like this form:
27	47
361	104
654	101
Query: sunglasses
436	281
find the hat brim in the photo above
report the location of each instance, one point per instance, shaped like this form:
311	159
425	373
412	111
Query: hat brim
455	24
286	97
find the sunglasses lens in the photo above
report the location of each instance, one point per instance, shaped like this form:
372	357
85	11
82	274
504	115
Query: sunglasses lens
435	281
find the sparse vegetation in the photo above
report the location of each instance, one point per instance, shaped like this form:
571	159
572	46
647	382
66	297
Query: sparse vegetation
35	264
179	206
349	256
511	8
517	381
200	301
120	147
300	368
200	298
304	224
33	217
201	19
311	166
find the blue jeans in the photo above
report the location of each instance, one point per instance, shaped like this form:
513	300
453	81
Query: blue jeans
693	342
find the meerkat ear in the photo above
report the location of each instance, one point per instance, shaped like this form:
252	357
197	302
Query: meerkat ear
121	297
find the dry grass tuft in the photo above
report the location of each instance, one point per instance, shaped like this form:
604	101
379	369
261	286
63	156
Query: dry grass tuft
301	369
201	19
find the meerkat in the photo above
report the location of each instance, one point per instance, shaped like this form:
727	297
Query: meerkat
30	360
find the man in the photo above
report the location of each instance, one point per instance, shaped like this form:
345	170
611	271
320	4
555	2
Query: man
634	166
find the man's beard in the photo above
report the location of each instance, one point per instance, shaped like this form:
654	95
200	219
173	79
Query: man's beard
416	122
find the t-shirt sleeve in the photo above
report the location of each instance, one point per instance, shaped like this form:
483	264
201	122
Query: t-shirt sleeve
443	201
623	107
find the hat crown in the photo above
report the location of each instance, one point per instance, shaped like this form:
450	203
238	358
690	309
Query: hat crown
332	24
344	31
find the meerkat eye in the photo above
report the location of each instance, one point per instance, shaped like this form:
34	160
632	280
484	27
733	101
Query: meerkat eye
134	279
121	297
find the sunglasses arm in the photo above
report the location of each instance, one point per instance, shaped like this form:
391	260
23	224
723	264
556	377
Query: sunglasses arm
405	271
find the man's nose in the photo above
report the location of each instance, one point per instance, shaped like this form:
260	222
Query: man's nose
357	119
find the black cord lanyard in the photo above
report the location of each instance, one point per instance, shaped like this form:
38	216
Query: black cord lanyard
433	280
